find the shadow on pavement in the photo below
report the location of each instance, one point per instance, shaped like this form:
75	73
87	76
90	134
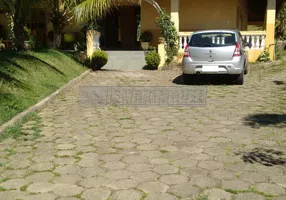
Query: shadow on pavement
279	82
266	157
206	80
261	120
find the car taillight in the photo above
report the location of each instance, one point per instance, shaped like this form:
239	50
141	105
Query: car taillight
237	51
187	53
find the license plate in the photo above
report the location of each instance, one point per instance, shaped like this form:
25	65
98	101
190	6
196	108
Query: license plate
210	68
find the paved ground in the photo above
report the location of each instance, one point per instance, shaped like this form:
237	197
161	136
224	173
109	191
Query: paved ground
234	148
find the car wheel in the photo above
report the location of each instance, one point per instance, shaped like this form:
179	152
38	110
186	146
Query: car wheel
240	79
246	69
189	79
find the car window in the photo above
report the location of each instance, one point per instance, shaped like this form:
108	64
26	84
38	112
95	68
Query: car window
212	39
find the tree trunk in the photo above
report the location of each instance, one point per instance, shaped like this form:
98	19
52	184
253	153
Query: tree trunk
18	29
57	40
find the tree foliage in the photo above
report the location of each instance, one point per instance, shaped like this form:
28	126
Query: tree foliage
17	12
170	34
280	32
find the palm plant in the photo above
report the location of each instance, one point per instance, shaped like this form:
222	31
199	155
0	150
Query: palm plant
61	16
87	10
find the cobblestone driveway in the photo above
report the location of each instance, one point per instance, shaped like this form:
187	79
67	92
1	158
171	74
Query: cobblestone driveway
234	148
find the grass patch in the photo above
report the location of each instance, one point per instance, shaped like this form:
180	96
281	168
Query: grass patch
251	190
164	151
28	77
79	153
24	188
264	71
144	194
4	180
125	118
16	130
77	157
78	196
56	174
202	197
10	152
2	189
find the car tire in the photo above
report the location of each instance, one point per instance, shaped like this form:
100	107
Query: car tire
240	79
189	79
246	69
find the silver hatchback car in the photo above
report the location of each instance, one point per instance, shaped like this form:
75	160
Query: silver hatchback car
215	52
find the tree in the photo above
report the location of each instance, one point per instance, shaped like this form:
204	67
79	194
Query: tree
61	16
280	31
17	11
86	10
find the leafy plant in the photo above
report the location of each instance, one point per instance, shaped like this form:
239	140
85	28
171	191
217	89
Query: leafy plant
280	26
169	32
32	42
146	36
82	58
202	197
99	59
27	32
80	46
153	60
92	25
69	38
264	56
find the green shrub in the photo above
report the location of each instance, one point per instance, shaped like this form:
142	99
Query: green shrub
99	59
264	57
69	38
153	60
146	36
82	58
169	32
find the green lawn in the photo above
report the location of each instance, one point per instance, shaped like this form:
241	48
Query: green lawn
28	77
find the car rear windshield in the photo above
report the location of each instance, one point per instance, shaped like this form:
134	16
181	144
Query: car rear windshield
212	40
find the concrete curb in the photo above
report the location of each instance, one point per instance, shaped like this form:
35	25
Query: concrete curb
43	102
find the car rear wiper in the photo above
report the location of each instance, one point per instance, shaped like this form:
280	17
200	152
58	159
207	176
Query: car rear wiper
208	45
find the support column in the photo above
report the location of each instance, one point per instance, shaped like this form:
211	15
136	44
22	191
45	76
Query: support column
270	27
162	53
175	13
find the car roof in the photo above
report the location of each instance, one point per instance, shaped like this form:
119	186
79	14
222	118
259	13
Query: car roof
217	30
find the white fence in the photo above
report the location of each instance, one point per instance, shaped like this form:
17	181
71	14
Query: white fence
256	39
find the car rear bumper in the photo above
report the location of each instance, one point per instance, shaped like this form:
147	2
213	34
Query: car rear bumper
234	66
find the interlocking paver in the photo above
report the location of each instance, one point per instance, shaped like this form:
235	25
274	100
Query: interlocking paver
246	196
66	190
153	187
96	193
168	153
127	195
40	187
165	196
216	193
44	196
184	190
14	184
40	177
205	182
271	189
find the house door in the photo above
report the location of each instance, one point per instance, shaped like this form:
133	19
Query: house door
128	27
120	29
111	30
